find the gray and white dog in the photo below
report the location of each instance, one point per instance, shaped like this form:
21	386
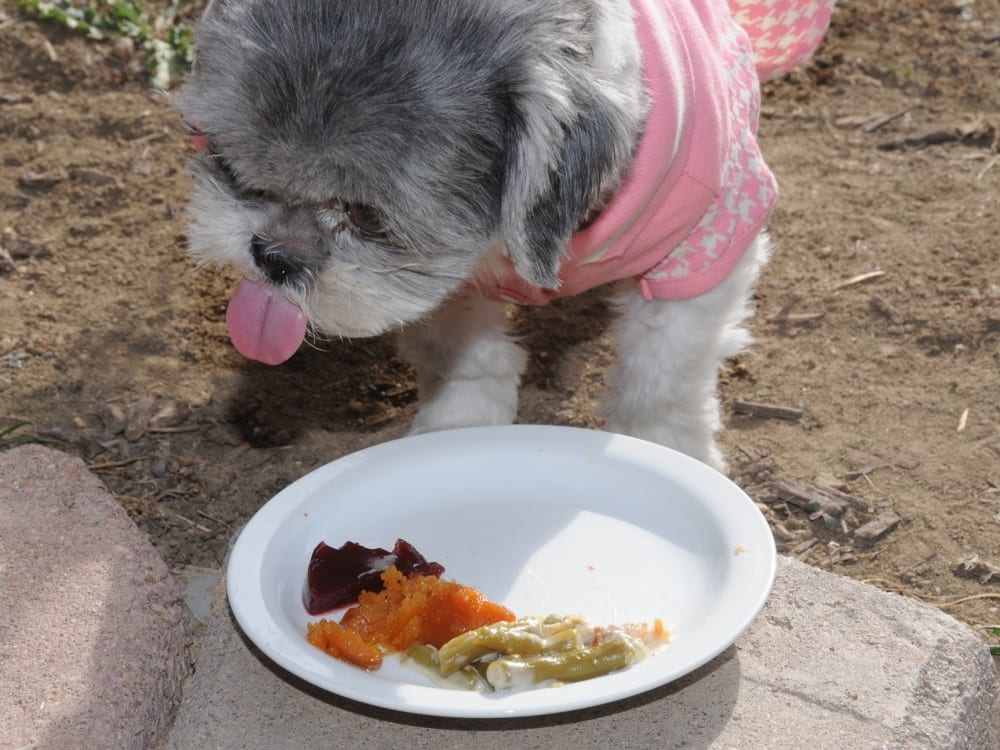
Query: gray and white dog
377	165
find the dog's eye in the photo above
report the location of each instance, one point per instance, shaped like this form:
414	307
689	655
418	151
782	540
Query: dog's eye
365	219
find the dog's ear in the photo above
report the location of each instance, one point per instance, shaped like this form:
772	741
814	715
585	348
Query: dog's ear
564	149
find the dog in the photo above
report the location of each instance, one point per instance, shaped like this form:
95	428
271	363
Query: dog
379	165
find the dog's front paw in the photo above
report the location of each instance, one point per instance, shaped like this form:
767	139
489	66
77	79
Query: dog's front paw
467	402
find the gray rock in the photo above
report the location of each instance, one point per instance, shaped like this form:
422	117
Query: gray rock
94	636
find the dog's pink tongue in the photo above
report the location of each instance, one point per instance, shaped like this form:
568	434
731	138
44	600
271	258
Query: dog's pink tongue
263	324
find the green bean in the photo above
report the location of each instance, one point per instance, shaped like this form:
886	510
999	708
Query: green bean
516	672
505	637
527	652
425	660
567	639
556	623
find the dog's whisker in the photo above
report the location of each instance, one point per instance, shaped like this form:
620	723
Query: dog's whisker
314	341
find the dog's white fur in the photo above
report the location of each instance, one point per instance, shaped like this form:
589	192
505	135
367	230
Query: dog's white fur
663	384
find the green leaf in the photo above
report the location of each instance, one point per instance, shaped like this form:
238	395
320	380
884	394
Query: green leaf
7	431
8	439
168	56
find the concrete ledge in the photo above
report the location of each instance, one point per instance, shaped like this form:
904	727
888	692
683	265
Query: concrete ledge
830	663
94	637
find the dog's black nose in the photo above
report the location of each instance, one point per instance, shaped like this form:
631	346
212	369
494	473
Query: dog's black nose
277	265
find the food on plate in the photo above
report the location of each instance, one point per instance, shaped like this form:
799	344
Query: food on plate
337	575
344	644
408	610
453	633
534	651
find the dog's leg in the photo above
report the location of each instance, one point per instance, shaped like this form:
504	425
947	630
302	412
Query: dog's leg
468	368
664	382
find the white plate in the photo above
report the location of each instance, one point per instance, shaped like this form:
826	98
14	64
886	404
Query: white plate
542	519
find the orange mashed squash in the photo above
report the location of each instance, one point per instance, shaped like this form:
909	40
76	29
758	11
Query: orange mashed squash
420	609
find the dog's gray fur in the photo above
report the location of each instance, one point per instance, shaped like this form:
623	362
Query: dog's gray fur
474	127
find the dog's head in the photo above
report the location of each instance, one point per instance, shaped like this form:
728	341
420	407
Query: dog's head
367	158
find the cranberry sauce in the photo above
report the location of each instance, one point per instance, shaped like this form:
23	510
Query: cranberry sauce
338	575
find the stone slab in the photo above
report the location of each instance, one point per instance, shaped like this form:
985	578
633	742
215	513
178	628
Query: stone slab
829	663
94	636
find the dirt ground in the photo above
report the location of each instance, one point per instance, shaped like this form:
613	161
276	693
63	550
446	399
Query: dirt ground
878	319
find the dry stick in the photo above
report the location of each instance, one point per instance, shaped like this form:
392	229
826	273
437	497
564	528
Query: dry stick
786	308
922	140
870	482
212	518
922	561
864	471
884	308
859	279
876	530
879	122
937	601
188	521
989	165
813	497
767	411
118	464
962	420
977	569
784	316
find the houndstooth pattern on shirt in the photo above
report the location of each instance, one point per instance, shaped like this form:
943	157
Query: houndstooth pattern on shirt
784	33
748	189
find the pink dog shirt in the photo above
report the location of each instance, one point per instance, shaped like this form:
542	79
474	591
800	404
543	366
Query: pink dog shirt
699	191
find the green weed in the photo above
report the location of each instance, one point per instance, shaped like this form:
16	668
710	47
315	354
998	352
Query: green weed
165	43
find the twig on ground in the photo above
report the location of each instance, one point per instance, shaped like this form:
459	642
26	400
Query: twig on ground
978	132
989	165
752	453
816	498
922	561
977	569
877	529
882	120
941	602
859	279
963	420
884	308
118	464
864	471
213	518
802	549
922	139
172	430
189	522
767	411
784	316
